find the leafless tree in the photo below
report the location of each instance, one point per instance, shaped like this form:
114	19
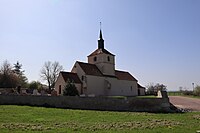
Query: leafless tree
6	68
8	79
50	72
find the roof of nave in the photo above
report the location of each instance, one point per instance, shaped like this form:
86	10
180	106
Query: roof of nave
139	86
123	75
70	76
90	69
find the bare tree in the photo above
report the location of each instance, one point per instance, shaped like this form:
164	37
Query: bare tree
6	68
50	72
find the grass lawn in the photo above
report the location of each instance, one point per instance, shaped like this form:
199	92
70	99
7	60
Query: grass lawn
147	96
174	93
123	97
39	119
192	96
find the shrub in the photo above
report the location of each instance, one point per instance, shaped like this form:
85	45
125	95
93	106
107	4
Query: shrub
197	91
70	89
186	92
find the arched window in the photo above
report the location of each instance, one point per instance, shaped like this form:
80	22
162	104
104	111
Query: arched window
108	58
95	58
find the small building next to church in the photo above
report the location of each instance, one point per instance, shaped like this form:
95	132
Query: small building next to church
99	77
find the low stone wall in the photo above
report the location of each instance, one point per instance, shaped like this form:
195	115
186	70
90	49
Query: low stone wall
90	103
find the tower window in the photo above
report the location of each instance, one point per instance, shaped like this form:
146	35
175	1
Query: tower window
108	58
95	58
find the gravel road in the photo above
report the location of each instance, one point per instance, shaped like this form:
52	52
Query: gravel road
192	104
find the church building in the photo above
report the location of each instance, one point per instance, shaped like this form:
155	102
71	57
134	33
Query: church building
99	77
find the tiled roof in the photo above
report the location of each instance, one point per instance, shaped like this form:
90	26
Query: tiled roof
70	76
100	51
90	69
122	75
139	86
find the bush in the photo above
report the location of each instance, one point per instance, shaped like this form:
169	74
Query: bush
186	92
197	91
70	89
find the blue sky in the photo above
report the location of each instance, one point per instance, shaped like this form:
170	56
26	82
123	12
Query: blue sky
158	41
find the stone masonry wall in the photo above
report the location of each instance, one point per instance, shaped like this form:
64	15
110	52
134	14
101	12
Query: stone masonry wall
90	103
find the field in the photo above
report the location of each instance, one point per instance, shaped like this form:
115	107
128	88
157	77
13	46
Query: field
178	93
39	119
174	93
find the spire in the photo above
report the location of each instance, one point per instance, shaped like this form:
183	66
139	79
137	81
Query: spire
100	41
100	35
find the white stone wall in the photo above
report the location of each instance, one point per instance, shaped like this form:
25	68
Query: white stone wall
95	85
142	91
77	69
78	87
60	81
110	86
123	87
101	58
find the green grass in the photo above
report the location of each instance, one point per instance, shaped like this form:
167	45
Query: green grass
174	93
117	97
148	96
19	119
190	96
123	97
177	93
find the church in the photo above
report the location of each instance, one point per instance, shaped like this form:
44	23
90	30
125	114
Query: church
99	77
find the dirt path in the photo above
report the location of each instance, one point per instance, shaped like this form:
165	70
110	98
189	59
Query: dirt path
185	102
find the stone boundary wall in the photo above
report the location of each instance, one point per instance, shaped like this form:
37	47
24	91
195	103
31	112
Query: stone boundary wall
90	103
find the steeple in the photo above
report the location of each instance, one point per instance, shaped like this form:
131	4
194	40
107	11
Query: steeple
100	41
100	35
102	58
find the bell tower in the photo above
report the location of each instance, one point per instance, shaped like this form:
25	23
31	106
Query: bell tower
102	58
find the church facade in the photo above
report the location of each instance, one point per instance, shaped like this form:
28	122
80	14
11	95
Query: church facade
99	77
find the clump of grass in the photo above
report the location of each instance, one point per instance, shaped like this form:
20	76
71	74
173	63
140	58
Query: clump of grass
23	126
197	116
